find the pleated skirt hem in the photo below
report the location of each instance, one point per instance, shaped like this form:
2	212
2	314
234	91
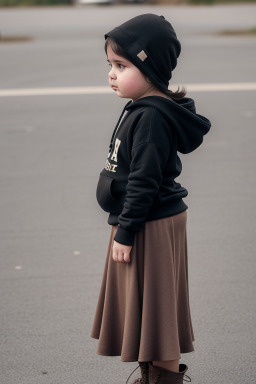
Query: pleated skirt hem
129	359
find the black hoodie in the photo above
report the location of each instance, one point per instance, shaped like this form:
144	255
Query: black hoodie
138	181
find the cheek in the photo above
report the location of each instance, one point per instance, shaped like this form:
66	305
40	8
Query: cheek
133	83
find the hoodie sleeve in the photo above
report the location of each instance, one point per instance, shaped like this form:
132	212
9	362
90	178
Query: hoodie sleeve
148	160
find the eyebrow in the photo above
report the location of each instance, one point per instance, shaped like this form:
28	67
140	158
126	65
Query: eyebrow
117	61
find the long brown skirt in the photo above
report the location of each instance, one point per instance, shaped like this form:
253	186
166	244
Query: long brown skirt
143	310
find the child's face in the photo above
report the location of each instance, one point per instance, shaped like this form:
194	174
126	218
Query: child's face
126	79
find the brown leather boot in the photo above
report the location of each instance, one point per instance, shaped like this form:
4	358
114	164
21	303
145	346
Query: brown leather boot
159	375
144	379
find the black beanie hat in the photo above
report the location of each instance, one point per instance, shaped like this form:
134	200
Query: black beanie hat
151	44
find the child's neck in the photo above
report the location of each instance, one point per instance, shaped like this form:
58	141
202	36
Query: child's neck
154	94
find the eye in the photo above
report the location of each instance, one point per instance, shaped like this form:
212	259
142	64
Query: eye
120	66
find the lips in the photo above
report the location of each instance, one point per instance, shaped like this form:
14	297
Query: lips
114	87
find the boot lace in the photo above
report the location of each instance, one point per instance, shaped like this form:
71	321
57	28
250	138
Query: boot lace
156	378
143	379
137	381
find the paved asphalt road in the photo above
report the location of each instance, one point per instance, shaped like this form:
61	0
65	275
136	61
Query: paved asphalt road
53	235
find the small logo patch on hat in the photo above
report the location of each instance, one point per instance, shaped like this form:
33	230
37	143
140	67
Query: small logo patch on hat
142	55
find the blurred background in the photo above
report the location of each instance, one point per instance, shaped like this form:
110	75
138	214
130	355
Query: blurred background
77	2
57	115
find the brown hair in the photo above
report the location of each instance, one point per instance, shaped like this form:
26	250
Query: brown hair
179	94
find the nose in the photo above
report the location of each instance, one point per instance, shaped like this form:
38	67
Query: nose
112	74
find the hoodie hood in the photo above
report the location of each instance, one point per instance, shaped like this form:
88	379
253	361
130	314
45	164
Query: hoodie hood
190	127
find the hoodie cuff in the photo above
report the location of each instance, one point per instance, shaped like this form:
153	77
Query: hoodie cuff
123	236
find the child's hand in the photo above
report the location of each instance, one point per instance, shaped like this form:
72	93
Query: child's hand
121	252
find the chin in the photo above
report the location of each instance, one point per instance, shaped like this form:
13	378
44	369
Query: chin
122	96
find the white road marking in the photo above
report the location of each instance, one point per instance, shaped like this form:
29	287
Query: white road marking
55	91
222	87
204	87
